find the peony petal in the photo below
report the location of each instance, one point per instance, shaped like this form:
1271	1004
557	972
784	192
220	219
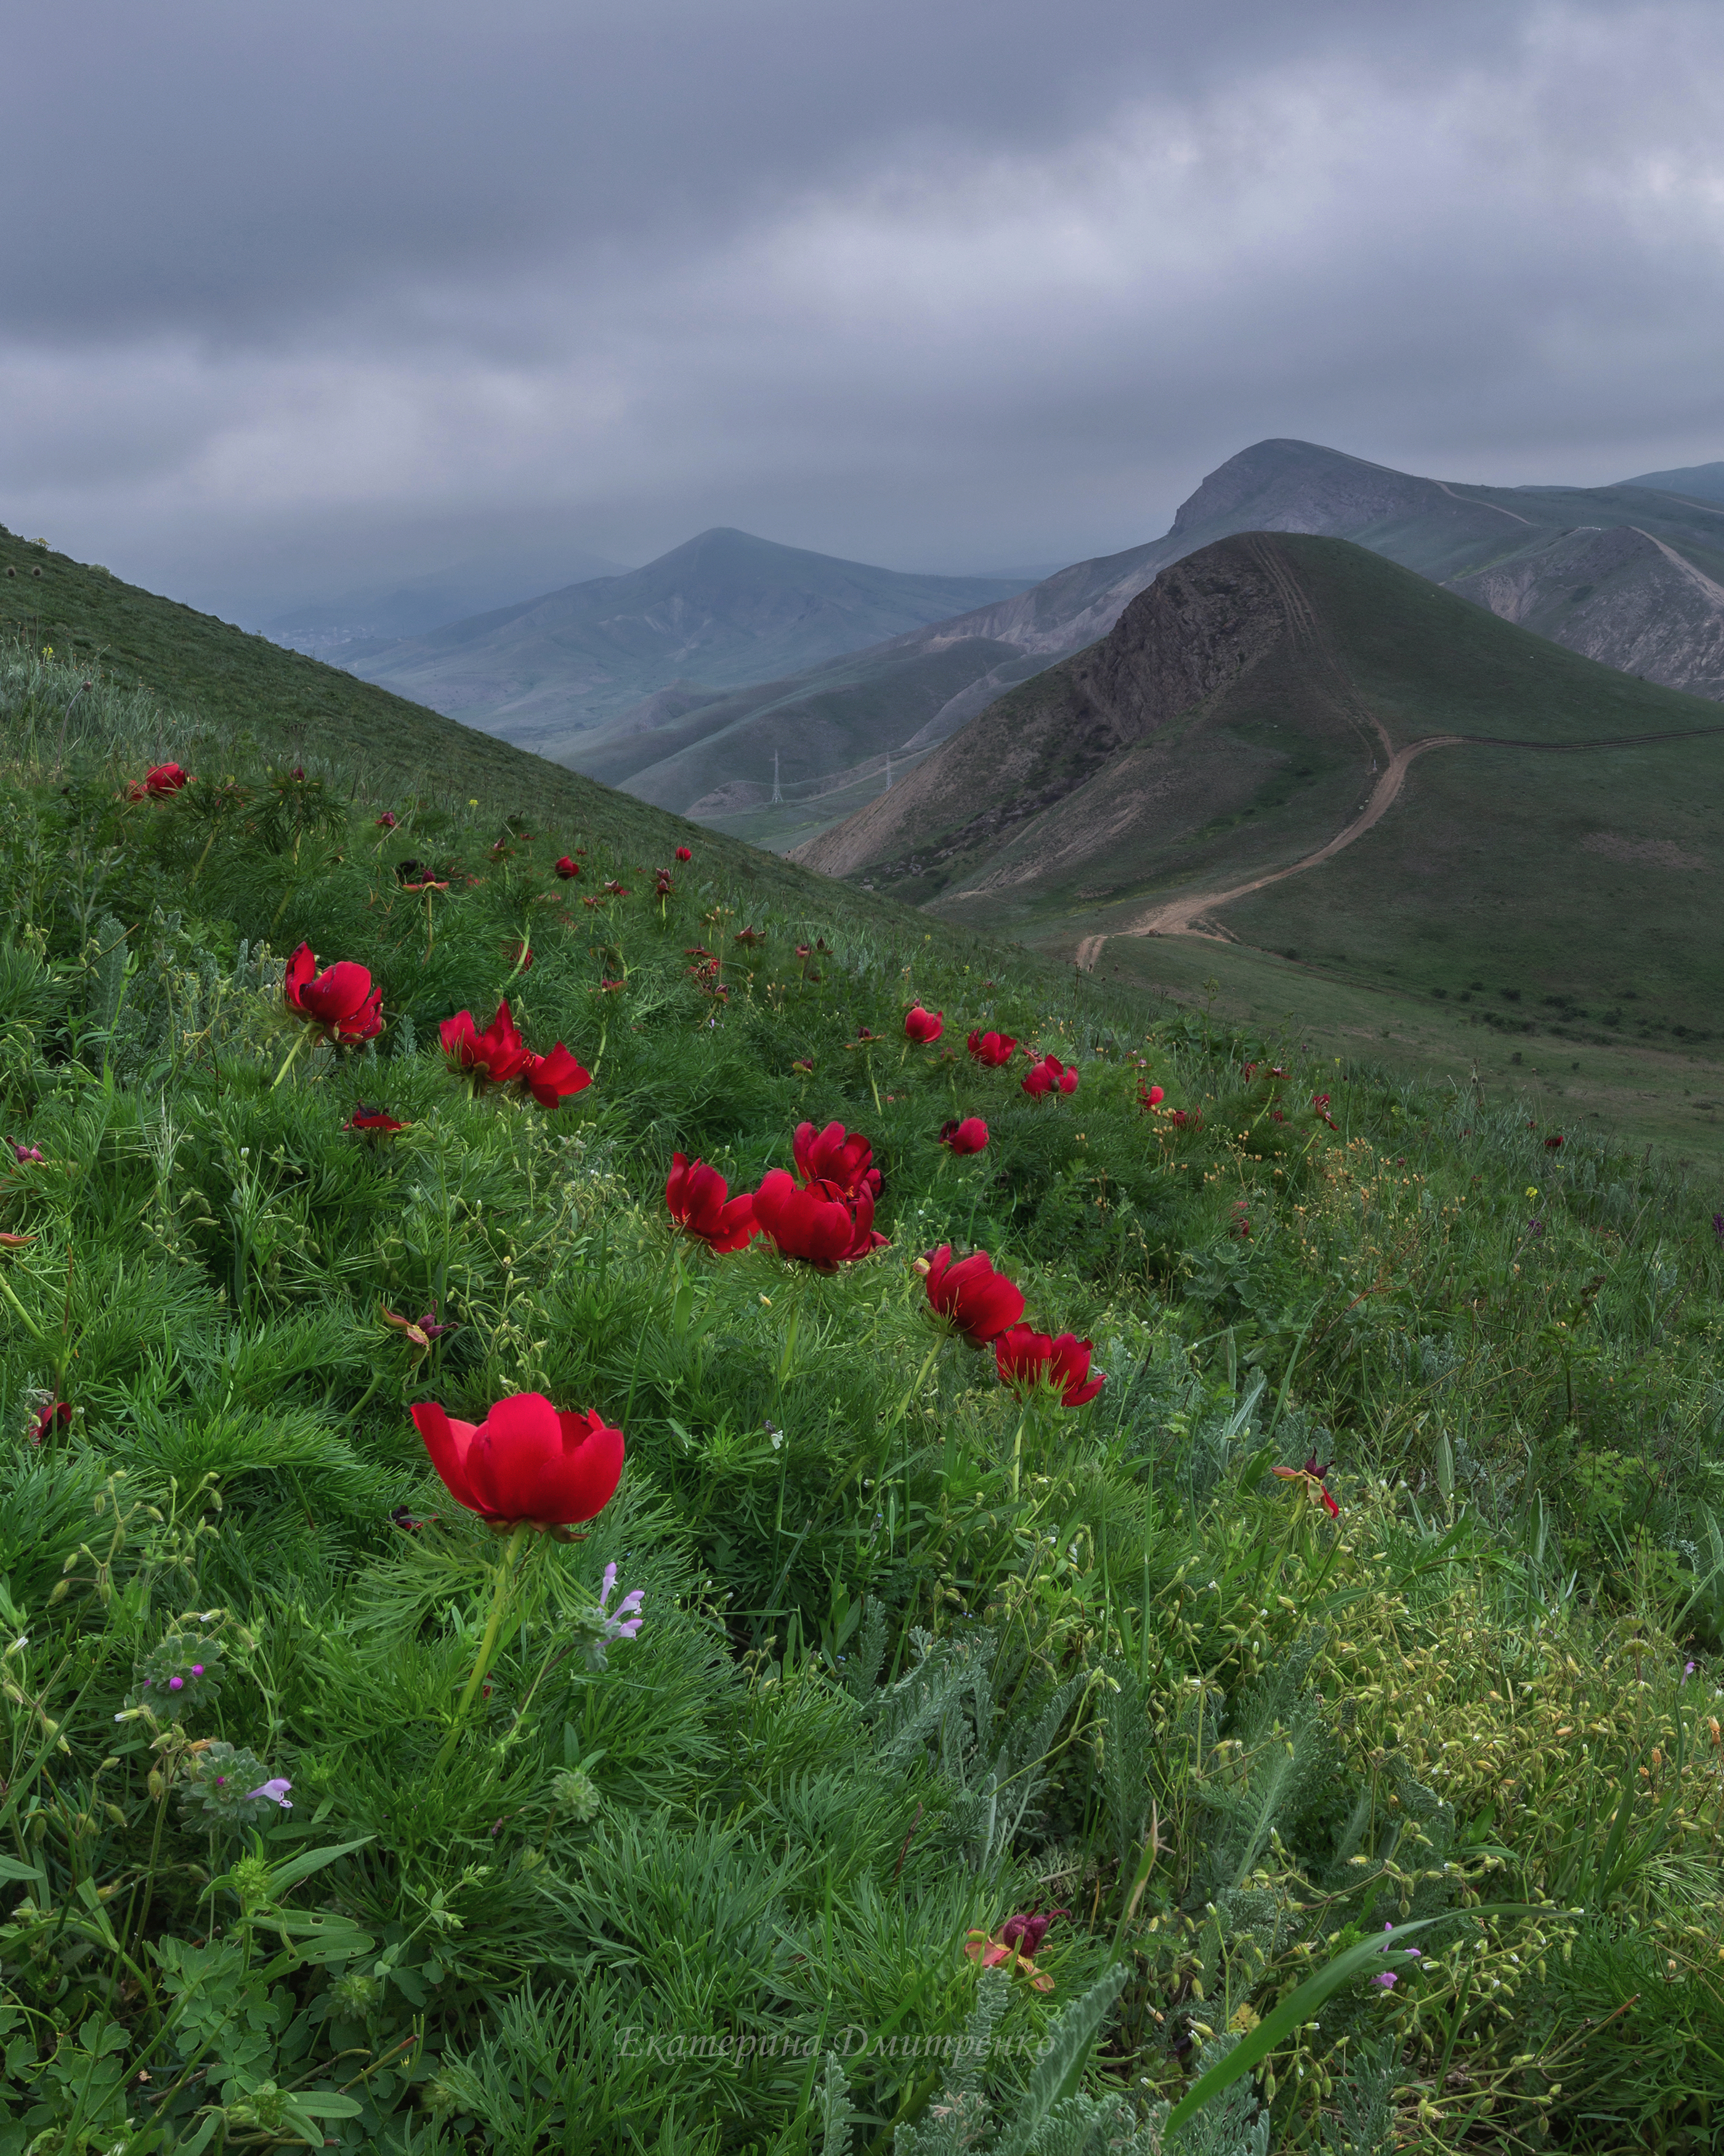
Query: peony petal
515	1455
449	1443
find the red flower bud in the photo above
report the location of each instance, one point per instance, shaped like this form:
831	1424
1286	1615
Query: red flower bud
970	1136
568	870
550	1079
820	1225
1026	1359
992	1049
499	1053
699	1200
839	1157
340	1002
685	854
971	1297
923	1026
527	1462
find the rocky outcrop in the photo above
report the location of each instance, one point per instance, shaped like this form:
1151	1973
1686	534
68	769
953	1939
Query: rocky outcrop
1199	625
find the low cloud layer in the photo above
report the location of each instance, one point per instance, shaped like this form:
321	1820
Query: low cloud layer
341	295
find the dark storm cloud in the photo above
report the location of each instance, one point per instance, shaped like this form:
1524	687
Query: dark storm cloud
308	294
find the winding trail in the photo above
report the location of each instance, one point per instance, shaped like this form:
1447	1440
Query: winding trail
1180	916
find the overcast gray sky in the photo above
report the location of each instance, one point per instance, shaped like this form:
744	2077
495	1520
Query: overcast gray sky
301	296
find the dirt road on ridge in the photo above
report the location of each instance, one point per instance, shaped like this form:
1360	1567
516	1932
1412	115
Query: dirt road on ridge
1178	916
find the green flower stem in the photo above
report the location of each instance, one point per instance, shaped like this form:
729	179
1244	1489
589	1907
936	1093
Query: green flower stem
487	1646
288	1064
34	1328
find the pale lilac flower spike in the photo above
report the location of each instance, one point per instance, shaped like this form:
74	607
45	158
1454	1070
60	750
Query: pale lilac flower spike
627	1608
275	1789
1387	1981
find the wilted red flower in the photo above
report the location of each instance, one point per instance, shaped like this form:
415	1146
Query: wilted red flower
340	1002
519	956
992	1049
971	1297
820	1225
1313	1477
804	951
842	1158
970	1136
662	885
161	780
616	891
26	1155
1555	1144
923	1026
1319	1109
57	1414
1187	1119
499	1053
527	1462
567	869
750	937
374	1120
1015	1946
1026	1358
1044	1077
388	820
421	1331
685	854
699	1200
550	1079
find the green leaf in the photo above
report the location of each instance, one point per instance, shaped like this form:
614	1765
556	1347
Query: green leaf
1294	2012
10	1868
315	2103
284	1875
1062	2060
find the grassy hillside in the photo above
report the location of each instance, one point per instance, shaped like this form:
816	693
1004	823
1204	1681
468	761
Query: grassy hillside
158	670
491	1866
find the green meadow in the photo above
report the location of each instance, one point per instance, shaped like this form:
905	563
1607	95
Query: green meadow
1311	1742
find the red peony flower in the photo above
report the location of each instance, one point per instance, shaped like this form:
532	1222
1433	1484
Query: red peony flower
499	1053
161	779
839	1157
970	1136
374	1120
923	1026
1044	1077
527	1462
699	1200
992	1049
550	1079
1027	1358
685	854
568	870
340	1002
1555	1144
820	1225
971	1297
56	1415
1150	1097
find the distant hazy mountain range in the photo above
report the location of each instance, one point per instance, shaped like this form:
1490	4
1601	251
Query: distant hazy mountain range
724	610
682	681
347	625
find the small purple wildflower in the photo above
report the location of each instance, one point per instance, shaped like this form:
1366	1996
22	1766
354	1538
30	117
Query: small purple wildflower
1687	1671
605	1625
197	1669
24	1154
1535	1227
1387	1981
275	1789
177	1684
